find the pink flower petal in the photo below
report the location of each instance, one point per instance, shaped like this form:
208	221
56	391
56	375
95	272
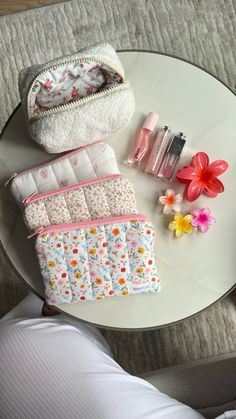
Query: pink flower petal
196	212
214	185
211	220
200	160
194	189
185	174
206	211
203	219
209	193
202	177
195	223
203	227
218	167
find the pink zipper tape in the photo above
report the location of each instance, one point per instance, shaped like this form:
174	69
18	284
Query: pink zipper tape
36	197
65	155
85	224
34	233
28	198
13	175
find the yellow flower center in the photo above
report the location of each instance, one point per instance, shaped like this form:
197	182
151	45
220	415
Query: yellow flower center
182	224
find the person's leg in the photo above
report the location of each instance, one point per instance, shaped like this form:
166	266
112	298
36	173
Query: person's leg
29	307
57	368
32	307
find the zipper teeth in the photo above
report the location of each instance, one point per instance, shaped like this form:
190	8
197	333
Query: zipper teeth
92	223
38	197
114	68
64	156
76	103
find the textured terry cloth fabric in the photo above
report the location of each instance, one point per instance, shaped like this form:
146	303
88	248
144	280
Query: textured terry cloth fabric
57	368
199	31
79	123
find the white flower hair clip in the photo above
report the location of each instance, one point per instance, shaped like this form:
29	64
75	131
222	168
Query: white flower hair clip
170	201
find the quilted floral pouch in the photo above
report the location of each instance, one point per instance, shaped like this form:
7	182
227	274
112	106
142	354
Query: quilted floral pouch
97	259
89	162
106	196
72	100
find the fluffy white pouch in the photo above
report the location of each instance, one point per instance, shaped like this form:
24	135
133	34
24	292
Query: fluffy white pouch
71	101
89	162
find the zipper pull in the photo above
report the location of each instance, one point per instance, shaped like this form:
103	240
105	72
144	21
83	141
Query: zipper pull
27	199
35	232
13	175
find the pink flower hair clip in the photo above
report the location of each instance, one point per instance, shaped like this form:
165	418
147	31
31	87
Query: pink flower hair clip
202	219
202	177
170	201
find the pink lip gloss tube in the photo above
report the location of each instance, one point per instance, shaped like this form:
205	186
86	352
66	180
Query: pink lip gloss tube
159	148
172	157
142	141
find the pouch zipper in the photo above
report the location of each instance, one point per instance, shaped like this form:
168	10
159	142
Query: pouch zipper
86	224
65	155
81	101
13	175
38	196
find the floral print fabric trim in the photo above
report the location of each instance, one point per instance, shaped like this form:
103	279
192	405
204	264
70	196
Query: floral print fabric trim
69	82
102	199
97	262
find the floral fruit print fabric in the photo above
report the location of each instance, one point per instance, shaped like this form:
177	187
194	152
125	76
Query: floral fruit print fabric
109	198
69	82
92	263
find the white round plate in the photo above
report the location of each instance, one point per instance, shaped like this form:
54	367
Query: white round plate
195	270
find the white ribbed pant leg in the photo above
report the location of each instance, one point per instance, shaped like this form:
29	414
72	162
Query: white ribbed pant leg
30	307
58	368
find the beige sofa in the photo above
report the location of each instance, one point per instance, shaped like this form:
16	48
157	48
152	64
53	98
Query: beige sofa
208	386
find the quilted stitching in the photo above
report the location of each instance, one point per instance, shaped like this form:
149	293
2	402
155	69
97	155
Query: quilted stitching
96	160
77	266
96	262
118	258
76	205
96	200
55	210
100	272
105	198
121	203
56	178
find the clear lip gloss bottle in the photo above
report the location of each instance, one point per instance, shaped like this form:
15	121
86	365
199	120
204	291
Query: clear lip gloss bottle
172	157
159	148
142	140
